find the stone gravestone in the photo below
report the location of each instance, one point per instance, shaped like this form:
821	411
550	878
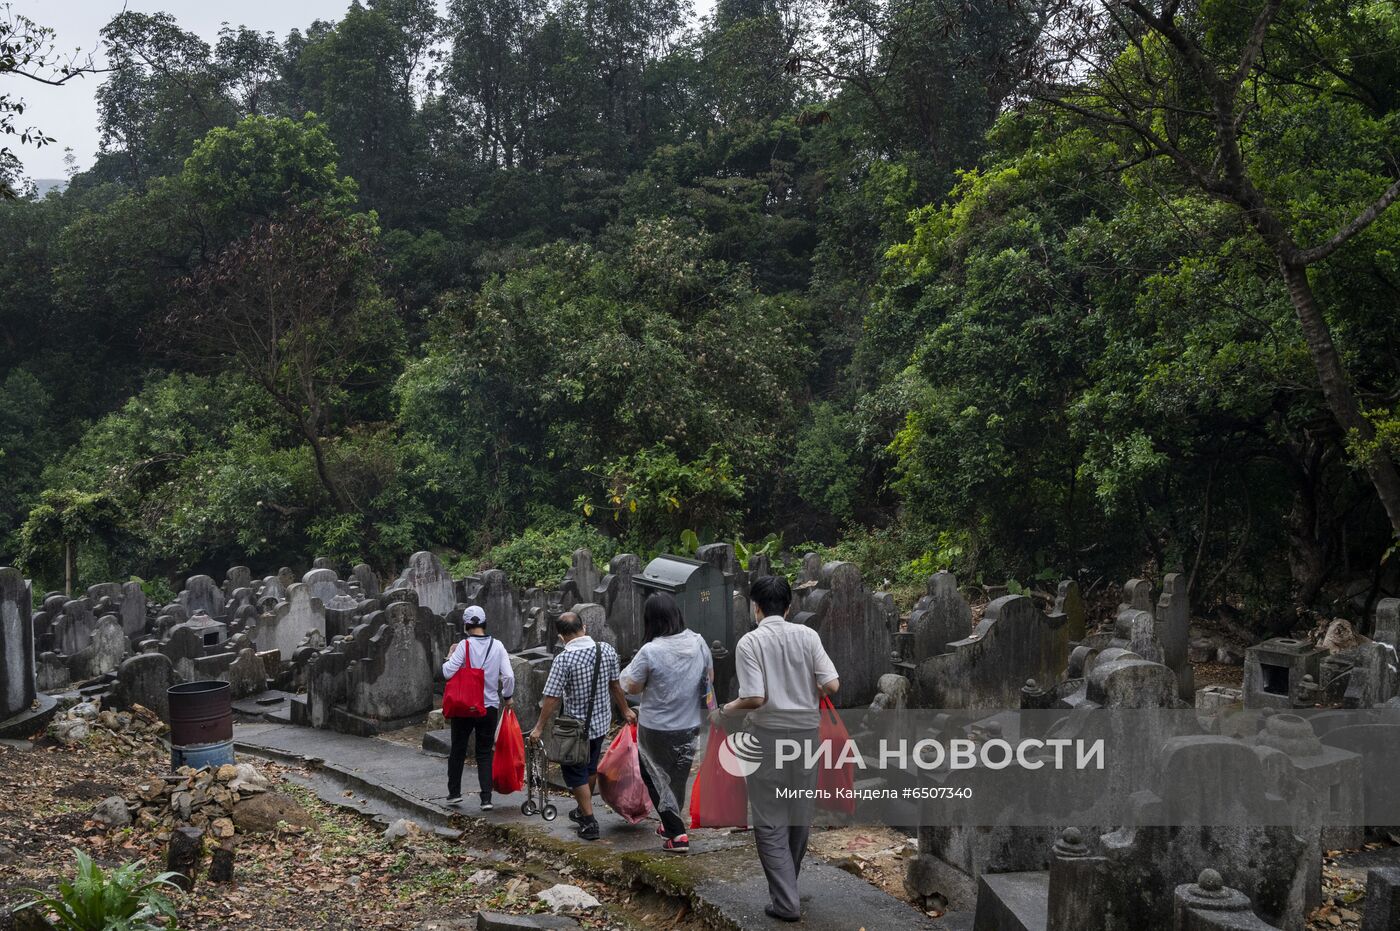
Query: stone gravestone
144	680
497	598
595	622
582	573
273	588
74	627
284	629
1174	630
238	577
939	617
104	651
322	583
430	580
133	609
394	680
183	648
16	644
369	582
202	595
1069	601
1387	628
625	603
855	630
1013	642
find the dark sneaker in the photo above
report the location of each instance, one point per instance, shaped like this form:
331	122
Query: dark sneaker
588	830
487	806
575	817
772	912
453	800
679	844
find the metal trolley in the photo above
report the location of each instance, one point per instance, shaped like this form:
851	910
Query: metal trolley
536	787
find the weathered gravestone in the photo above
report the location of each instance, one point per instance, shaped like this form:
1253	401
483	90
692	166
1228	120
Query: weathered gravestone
369	582
238	577
202	595
855	627
498	599
426	576
1014	641
17	690
133	609
144	680
939	617
288	625
624	601
103	653
323	584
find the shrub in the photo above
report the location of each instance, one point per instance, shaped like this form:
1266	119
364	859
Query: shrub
126	899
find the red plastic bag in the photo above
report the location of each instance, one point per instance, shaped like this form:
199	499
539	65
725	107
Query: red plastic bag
465	694
718	800
620	777
837	780
508	764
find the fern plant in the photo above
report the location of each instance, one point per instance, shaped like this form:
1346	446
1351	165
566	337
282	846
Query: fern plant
94	900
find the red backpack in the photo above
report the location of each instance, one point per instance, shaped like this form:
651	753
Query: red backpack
465	695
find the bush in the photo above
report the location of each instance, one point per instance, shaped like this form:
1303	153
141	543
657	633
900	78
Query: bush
541	556
124	900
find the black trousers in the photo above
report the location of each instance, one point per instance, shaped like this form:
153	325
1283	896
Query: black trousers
666	757
484	728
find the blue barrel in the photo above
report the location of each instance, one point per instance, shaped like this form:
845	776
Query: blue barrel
197	756
201	724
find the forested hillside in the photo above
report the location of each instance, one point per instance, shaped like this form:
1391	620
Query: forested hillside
1021	288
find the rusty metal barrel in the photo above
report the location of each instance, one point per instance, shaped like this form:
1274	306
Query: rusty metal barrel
201	724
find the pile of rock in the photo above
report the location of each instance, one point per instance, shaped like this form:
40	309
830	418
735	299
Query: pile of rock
134	727
202	798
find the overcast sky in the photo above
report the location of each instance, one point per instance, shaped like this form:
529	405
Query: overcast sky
69	113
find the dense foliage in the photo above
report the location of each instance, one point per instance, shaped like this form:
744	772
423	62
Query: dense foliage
541	274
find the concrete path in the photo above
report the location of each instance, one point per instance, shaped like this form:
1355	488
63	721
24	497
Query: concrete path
721	877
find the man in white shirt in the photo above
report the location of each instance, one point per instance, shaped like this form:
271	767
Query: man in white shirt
783	671
490	656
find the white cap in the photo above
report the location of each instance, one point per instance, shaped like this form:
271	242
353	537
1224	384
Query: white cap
474	616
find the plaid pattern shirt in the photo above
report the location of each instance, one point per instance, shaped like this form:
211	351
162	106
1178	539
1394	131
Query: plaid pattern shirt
571	678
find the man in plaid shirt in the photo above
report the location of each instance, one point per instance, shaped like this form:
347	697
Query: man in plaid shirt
572	678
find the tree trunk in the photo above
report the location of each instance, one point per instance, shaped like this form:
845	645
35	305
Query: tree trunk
323	472
1337	389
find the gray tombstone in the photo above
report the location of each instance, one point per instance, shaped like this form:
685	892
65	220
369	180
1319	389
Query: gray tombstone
497	598
144	680
133	609
369	582
323	584
855	630
201	594
427	577
293	619
17	689
940	617
238	577
625	603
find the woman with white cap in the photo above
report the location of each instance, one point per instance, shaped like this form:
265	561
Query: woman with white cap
478	651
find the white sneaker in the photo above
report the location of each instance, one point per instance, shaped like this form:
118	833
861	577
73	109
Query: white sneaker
487	806
453	800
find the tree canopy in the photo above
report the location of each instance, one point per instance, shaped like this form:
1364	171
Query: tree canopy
1023	289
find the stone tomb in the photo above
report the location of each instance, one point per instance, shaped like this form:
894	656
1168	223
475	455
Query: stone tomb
1274	673
380	678
288	626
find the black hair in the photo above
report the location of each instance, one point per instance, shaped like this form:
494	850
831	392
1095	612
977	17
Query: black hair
772	594
568	624
661	617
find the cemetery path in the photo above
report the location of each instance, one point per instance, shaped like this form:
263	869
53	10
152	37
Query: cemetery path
720	878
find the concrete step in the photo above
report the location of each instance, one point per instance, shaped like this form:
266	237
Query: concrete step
1013	902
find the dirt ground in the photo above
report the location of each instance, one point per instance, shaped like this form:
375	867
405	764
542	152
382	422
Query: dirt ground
340	873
